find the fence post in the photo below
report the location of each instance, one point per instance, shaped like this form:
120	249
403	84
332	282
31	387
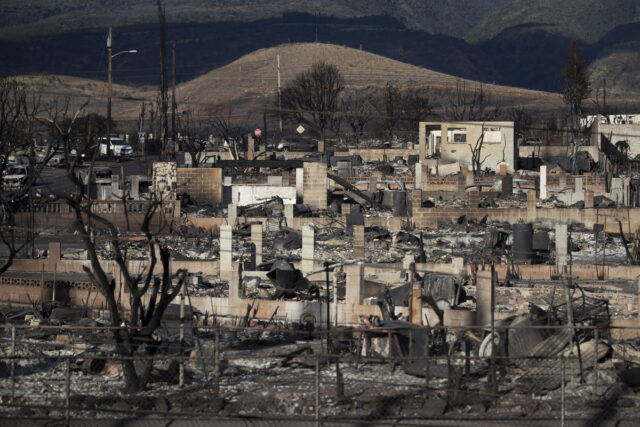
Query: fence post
216	362
467	357
68	392
427	354
595	362
317	390
410	345
562	391
181	371
449	381
339	381
13	362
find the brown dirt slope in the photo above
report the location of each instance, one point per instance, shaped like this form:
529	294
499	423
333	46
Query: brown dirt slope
256	74
252	80
77	90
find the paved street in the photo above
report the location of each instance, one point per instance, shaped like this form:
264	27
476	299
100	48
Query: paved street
55	181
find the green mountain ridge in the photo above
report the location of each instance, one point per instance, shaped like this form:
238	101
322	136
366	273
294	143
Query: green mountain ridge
476	21
584	20
518	43
40	17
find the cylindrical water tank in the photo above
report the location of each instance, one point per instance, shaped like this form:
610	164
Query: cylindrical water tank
522	243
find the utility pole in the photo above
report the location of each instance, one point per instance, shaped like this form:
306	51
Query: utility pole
109	85
141	125
604	100
164	128
173	94
265	136
279	96
142	139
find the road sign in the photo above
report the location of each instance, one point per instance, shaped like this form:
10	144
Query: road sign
257	132
300	129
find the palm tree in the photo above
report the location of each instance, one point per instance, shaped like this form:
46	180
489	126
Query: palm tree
623	147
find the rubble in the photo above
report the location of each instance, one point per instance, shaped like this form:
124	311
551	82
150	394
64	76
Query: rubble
403	284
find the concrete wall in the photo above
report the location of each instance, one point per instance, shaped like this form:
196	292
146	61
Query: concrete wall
314	186
429	217
243	195
391	223
500	149
378	154
620	304
204	185
165	180
349	311
616	133
367	154
442	183
59	214
545	152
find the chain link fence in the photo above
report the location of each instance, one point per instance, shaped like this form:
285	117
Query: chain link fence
394	374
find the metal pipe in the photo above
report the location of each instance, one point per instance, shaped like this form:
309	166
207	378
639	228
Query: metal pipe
13	362
562	393
318	390
68	392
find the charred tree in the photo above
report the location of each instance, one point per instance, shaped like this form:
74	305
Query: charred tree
150	292
312	97
18	122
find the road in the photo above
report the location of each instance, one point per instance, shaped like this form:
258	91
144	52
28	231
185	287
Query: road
54	181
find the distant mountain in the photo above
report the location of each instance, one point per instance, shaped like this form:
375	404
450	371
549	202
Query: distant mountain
584	20
39	17
205	46
250	82
615	59
520	43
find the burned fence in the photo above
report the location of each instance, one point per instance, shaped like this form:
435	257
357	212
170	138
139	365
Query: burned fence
520	373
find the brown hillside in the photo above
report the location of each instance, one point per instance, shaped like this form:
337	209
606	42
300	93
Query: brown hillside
251	81
125	99
255	74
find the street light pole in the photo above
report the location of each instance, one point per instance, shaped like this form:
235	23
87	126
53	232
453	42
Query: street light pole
110	57
279	97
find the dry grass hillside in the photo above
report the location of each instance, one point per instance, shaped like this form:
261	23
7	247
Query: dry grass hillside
255	74
251	81
78	90
81	87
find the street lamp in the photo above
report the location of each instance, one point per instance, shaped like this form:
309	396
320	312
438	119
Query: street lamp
110	57
124	51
